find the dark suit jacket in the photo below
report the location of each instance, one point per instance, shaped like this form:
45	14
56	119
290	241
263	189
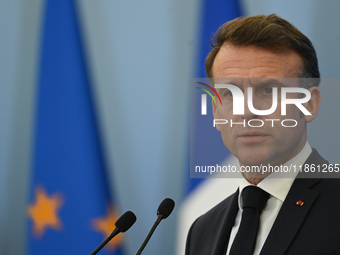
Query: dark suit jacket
313	228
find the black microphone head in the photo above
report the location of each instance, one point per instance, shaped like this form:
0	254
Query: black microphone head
126	221
166	207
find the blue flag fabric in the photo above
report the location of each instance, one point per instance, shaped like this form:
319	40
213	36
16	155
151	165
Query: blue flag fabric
69	211
206	142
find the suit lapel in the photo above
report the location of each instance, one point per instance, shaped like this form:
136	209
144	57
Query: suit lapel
224	227
291	215
289	219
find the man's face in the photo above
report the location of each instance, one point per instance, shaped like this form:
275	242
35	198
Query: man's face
259	145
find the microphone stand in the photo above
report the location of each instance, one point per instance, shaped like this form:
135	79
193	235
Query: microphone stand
158	220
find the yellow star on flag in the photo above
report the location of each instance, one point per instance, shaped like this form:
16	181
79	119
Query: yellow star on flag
44	212
106	225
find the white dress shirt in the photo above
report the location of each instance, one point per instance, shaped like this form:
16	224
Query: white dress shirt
278	189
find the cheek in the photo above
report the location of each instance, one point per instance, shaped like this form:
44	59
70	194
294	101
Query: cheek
290	135
293	111
225	107
226	136
224	113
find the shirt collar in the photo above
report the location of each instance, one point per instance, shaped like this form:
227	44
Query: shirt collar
279	187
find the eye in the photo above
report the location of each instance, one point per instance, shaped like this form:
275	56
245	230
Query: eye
268	90
229	94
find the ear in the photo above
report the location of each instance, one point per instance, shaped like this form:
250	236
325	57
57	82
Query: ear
215	114
313	104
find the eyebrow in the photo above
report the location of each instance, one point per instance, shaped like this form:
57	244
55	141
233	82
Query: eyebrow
267	81
272	81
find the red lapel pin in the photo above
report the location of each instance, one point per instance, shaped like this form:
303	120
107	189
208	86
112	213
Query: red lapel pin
300	203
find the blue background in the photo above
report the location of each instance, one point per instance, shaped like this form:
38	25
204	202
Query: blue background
141	56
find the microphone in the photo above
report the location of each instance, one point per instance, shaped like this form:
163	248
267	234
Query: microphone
164	210
122	224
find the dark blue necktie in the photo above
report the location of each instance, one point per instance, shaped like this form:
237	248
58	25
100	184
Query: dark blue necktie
254	200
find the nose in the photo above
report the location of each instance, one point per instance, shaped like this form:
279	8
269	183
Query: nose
248	114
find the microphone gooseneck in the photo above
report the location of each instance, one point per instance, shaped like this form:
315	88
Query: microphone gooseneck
122	224
164	210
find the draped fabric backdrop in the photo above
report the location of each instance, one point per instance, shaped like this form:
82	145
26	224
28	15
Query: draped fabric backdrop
136	60
70	210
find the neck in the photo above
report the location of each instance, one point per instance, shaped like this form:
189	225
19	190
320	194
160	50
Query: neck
255	178
254	181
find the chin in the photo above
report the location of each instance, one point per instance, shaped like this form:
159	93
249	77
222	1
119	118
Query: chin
253	160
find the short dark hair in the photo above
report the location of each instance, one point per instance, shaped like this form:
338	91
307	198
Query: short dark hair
268	32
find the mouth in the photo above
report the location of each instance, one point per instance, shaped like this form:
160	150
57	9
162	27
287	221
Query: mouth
251	134
252	137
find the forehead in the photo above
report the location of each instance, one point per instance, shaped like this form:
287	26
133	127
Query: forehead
254	62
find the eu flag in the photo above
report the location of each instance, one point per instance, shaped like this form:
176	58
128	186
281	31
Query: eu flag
70	211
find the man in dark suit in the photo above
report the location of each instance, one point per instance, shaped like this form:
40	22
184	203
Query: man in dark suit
301	213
